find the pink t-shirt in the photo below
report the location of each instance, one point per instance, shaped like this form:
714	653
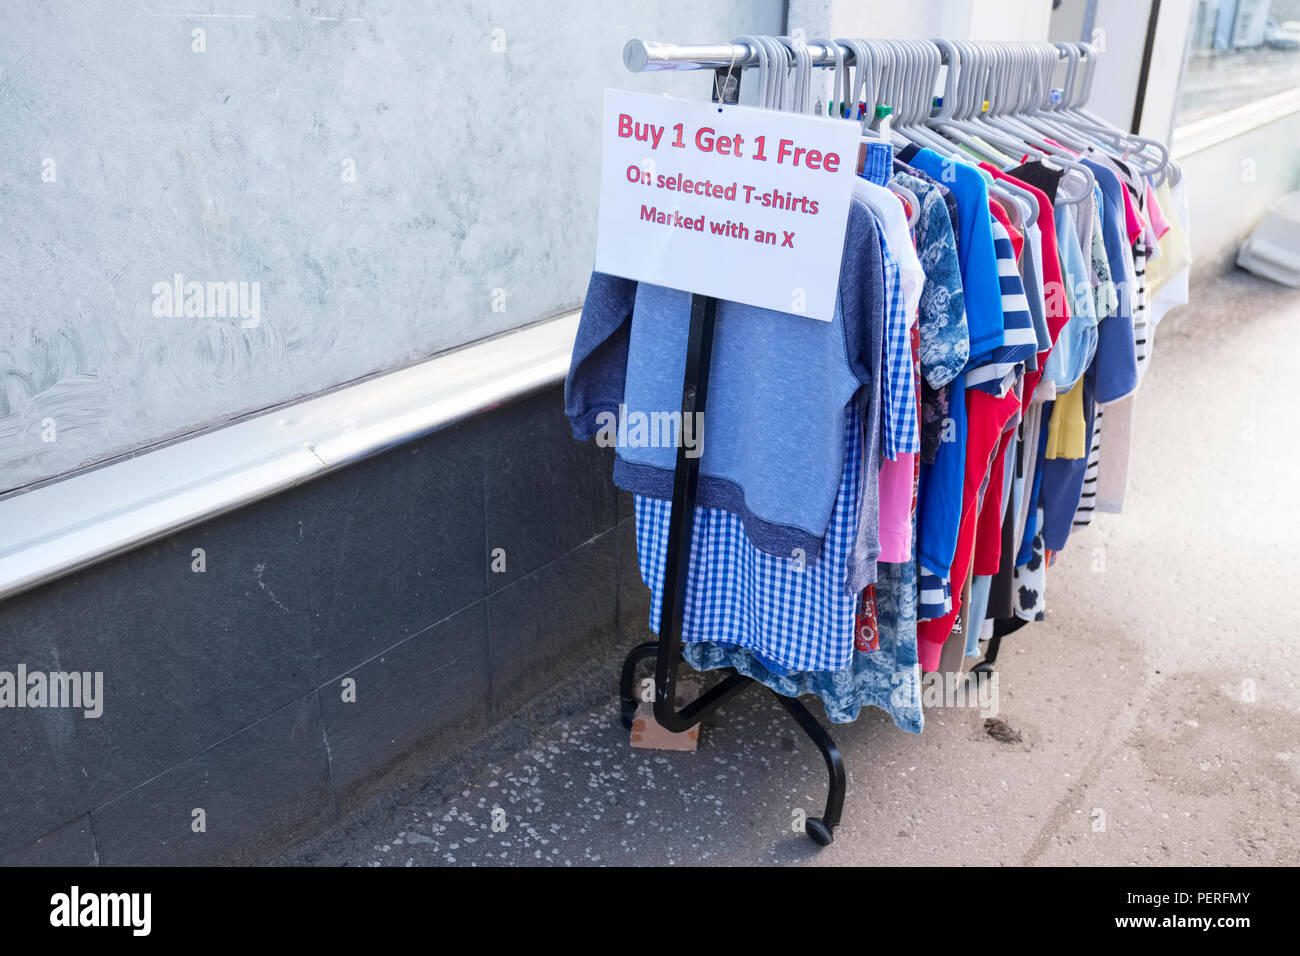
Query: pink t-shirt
896	508
1157	215
1136	224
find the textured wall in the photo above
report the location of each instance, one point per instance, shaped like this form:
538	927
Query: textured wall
376	167
223	690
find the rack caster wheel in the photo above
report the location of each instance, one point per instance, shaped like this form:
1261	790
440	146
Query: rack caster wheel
818	832
629	713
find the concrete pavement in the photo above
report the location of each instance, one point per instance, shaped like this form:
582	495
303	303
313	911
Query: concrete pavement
1153	718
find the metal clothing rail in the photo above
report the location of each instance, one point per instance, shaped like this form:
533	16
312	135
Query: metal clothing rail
642	56
667	649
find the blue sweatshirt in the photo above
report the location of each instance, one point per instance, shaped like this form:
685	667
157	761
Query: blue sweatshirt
778	387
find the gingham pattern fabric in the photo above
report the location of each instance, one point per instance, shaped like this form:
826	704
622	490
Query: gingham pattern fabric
900	432
793	614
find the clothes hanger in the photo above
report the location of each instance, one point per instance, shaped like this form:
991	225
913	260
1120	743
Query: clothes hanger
837	78
779	77
765	69
1137	150
883	70
801	78
919	131
794	79
1010	99
955	123
929	60
880	70
1052	111
917	65
970	96
919	61
1008	86
864	61
861	74
864	88
943	126
760	51
1127	147
911	81
913	205
896	88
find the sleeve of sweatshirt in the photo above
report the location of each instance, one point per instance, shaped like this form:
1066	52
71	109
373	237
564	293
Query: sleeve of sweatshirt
598	367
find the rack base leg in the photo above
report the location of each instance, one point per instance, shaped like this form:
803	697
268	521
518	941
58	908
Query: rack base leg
990	657
627	700
820	830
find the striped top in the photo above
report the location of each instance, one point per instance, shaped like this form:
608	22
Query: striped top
1020	342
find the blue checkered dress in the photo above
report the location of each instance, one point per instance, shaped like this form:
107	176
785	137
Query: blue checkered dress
899	433
794	615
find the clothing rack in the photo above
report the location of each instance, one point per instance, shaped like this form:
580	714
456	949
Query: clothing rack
728	60
667	650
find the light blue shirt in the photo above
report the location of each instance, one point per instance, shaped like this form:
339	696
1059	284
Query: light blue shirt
1077	343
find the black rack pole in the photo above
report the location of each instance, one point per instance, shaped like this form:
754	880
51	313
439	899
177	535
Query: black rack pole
667	650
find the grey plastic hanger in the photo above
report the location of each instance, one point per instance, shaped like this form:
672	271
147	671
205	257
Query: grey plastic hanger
942	131
839	79
1002	115
893	90
914	126
1050	113
1006	87
760	52
862	80
978	59
1128	147
920	67
778	76
918	81
800	76
801	100
973	90
1008	61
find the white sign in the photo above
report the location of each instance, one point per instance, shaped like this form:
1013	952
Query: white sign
738	203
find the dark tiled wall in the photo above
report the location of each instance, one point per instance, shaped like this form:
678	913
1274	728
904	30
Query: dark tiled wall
225	690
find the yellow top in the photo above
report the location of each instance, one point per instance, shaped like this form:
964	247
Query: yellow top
1067	432
1175	250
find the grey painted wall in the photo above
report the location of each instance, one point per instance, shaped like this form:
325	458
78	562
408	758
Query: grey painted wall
1233	183
223	690
374	169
